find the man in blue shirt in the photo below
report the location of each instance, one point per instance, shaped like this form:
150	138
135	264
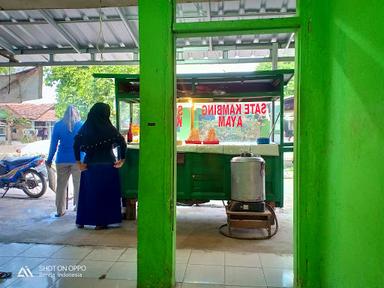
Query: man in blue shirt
62	139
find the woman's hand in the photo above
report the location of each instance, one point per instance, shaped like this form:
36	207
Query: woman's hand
119	163
82	166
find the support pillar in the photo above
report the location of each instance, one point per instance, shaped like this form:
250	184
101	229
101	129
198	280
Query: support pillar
274	55
157	166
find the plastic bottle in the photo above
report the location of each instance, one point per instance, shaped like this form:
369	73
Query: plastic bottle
129	134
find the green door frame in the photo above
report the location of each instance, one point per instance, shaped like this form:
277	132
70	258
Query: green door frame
157	165
156	212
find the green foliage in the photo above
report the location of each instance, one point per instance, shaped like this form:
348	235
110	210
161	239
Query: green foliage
7	70
26	138
12	120
76	85
289	90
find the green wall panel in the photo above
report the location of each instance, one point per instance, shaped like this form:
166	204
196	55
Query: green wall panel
204	176
340	187
157	163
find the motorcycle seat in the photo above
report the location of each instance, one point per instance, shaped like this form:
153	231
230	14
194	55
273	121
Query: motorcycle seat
18	161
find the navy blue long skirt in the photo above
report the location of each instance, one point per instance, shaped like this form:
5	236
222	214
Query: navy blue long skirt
99	196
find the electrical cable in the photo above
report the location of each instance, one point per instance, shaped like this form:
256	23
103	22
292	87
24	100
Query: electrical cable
100	35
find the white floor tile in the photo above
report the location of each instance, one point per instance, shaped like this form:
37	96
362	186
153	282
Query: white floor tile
204	274
244	276
194	285
278	277
13	249
7	282
76	283
105	254
116	284
180	271
123	270
242	259
182	255
270	260
41	250
5	259
72	252
17	263
40	282
15	266
203	257
54	268
95	269
247	286
57	262
130	255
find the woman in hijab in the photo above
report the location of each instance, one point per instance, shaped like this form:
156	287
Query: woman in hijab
99	196
63	136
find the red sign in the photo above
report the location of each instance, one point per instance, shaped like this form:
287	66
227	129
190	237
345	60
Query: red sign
230	114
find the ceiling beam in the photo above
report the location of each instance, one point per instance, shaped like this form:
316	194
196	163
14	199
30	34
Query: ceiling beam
69	63
75	20
10	57
73	4
62	4
6	45
88	50
128	26
51	62
64	33
289	41
91	50
210	19
111	18
233	60
85	50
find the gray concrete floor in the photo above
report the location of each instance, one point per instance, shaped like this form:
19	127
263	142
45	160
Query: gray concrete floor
32	221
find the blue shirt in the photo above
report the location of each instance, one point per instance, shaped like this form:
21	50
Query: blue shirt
62	141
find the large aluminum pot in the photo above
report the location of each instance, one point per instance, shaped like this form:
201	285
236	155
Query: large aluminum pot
248	178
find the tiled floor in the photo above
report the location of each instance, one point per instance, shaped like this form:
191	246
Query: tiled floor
33	221
194	268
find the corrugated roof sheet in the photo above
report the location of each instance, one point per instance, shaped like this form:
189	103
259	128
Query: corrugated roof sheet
51	36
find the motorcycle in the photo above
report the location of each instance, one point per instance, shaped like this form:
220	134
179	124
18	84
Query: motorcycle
25	173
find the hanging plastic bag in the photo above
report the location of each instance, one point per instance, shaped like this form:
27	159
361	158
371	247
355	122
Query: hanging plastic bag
51	171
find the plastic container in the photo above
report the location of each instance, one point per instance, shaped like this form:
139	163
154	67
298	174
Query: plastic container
192	142
211	142
262	140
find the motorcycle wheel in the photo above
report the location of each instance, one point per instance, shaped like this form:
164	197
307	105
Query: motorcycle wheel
34	184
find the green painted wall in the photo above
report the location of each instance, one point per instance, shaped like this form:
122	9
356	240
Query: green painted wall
157	163
340	183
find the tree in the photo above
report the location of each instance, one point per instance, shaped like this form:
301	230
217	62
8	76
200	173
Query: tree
289	90
8	70
76	85
11	121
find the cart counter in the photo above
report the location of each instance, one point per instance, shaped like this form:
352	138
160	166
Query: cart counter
204	171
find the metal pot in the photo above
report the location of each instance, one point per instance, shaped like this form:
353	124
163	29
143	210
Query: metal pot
248	178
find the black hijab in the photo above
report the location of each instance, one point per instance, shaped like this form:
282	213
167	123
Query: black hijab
98	128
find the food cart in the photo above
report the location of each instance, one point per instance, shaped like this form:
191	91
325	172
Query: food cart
218	116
